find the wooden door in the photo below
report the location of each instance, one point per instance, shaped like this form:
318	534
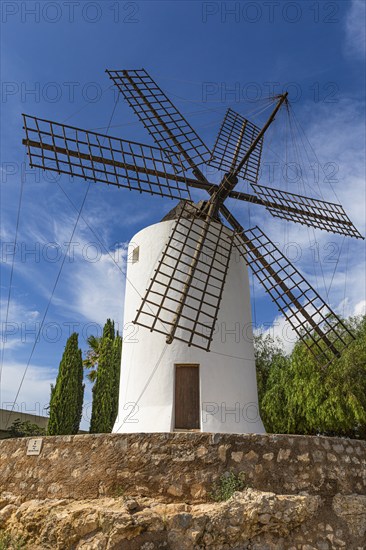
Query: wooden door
187	397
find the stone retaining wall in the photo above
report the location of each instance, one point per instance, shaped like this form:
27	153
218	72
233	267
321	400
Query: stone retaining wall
180	466
148	491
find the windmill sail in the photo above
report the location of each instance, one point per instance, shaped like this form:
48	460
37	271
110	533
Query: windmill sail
184	295
234	139
312	212
97	157
309	316
185	292
163	121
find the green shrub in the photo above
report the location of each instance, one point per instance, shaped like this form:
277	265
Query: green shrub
25	429
227	485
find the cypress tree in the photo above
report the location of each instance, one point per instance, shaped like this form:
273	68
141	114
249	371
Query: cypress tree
108	330
67	395
117	351
101	418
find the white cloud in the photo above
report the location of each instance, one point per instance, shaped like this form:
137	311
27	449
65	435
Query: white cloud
281	330
97	287
360	308
94	279
19	315
93	276
355	29
18	312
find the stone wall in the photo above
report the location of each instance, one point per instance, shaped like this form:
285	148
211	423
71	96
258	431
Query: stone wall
180	466
301	492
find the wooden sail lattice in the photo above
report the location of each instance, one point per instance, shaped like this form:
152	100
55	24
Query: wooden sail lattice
169	129
312	212
309	316
234	139
97	157
185	292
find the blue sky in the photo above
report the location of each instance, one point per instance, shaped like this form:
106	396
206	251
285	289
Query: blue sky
207	56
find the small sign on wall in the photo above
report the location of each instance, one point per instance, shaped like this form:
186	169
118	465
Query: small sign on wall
34	446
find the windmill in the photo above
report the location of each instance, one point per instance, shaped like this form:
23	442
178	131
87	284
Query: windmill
188	273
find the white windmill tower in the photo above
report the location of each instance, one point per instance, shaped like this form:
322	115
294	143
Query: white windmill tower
183	385
190	362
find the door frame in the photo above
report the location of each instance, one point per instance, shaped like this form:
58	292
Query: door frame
176	366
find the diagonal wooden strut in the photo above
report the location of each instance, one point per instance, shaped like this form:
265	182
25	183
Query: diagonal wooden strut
197	184
161	118
233	140
177	139
183	309
100	160
98	157
158	117
190	275
197	172
237	149
286	291
254	199
230	180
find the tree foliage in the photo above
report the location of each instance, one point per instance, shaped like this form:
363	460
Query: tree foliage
117	353
104	358
297	396
92	355
25	429
268	354
67	395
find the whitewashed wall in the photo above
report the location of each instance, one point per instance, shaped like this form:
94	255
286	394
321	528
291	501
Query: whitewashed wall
228	388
